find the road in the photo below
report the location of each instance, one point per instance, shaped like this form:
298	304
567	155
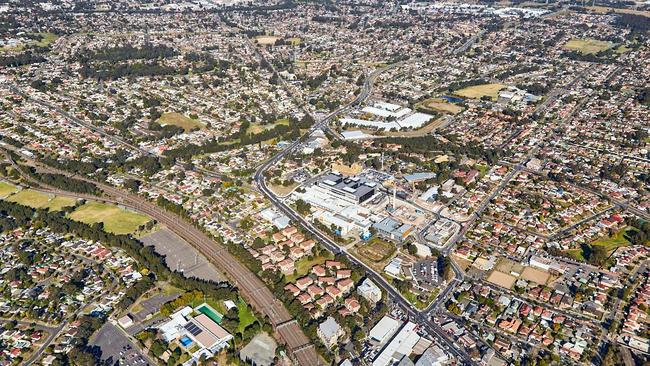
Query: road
252	289
421	317
99	130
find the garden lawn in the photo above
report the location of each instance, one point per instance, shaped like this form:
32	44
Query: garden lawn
304	265
246	316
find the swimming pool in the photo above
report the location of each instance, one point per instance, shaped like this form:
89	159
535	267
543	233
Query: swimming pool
210	312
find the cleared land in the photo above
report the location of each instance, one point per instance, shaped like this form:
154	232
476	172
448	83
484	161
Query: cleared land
376	250
6	189
257	128
266	40
177	119
281	190
440	105
502	279
535	275
463	263
587	45
505	265
179	255
478	91
116	220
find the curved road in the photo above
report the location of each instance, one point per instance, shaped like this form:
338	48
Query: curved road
253	290
421	317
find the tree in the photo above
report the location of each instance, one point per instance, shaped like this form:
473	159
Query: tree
303	207
413	250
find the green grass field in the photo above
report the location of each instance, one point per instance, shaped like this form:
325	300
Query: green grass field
47	39
177	119
587	45
116	220
610	243
619	239
304	265
59	202
478	91
35	199
28	197
246	316
6	189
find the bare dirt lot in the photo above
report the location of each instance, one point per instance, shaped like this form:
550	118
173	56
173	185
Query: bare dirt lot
535	275
376	250
502	279
266	40
507	266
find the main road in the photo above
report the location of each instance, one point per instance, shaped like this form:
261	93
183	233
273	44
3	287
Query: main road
423	318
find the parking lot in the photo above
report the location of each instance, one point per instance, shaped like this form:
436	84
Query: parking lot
180	255
117	347
426	273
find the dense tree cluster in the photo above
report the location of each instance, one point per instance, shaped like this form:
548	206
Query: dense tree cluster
292	131
21	59
105	68
635	22
128	52
640	236
63	182
425	144
145	255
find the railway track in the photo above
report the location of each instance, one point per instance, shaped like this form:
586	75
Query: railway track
252	289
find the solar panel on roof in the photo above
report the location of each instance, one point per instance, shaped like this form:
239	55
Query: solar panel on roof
193	329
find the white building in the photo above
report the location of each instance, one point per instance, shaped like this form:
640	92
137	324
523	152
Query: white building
433	356
174	328
369	291
401	345
384	329
329	332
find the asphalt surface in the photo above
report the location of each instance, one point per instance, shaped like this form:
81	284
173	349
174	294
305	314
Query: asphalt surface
181	256
117	346
252	289
421	317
